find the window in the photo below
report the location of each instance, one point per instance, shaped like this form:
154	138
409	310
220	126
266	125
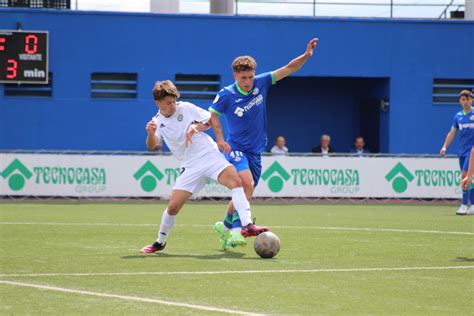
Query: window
114	85
446	91
198	86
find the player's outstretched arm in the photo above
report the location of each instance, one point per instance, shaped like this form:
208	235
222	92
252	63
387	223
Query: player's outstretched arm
449	139
217	127
296	63
466	182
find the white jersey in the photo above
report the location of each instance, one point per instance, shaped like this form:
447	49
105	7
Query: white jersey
173	131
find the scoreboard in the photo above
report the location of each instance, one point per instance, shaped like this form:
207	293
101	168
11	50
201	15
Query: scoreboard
23	56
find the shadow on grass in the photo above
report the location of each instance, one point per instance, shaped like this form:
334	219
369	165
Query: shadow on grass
219	256
464	259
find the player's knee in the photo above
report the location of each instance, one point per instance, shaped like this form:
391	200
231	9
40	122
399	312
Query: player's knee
234	182
173	209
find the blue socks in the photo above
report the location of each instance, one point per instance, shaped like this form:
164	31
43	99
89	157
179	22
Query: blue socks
228	220
465	196
236	223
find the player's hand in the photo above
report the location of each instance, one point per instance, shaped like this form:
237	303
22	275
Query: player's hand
311	47
189	134
151	127
224	146
442	152
466	182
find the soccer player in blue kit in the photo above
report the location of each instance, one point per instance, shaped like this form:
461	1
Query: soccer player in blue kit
464	123
244	105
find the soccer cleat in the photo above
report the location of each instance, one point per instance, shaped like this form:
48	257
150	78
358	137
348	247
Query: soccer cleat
223	235
253	230
236	239
153	248
462	210
470	211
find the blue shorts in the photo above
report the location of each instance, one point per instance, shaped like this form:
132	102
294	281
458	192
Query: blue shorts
244	161
464	162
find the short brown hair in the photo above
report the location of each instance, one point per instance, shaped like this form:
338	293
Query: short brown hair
244	63
163	89
465	93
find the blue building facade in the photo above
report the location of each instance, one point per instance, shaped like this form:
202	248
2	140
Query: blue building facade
358	65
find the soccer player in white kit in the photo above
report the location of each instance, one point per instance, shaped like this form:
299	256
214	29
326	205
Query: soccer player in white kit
180	125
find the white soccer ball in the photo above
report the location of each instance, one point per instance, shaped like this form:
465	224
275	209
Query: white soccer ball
267	245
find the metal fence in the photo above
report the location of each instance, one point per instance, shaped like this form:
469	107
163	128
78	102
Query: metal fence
368	8
37	4
433	9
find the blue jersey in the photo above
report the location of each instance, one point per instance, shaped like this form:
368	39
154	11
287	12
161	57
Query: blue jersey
245	113
464	123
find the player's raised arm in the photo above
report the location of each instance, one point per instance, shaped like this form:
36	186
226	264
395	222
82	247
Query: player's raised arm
296	63
152	141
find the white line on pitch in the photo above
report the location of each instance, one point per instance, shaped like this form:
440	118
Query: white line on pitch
130	298
393	230
239	271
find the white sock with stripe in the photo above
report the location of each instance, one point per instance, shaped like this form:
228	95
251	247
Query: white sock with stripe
242	205
167	222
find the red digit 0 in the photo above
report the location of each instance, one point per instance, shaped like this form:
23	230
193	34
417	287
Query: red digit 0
12	69
31	44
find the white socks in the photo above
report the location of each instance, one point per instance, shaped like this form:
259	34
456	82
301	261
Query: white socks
167	222
241	205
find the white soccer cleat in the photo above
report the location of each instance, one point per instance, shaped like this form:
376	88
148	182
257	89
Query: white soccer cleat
470	211
462	210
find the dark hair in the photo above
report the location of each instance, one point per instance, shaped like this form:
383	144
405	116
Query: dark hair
465	93
163	89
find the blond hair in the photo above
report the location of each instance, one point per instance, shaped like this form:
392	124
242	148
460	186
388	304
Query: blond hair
163	89
244	63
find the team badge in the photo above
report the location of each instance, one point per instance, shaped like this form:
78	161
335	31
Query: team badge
472	118
239	111
180	117
255	91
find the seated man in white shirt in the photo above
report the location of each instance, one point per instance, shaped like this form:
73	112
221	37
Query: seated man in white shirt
279	149
180	125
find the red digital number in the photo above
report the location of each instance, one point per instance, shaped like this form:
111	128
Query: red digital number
12	69
31	44
2	40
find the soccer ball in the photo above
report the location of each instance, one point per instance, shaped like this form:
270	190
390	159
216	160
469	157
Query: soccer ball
267	245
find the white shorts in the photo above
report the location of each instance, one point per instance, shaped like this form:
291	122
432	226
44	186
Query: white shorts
193	176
